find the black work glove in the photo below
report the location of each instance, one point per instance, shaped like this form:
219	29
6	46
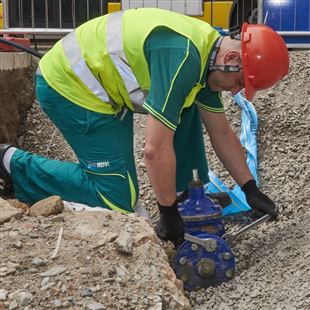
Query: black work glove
170	226
259	201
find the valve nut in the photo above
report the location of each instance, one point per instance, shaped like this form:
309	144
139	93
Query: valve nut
194	247
226	256
229	273
206	267
182	261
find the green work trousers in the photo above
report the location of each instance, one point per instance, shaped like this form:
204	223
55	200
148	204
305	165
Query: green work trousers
105	174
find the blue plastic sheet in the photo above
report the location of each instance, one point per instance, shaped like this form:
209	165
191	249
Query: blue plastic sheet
249	127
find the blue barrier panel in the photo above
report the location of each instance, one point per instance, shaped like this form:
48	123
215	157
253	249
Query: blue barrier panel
291	18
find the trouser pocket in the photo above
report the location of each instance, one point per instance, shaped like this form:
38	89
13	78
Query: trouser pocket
112	181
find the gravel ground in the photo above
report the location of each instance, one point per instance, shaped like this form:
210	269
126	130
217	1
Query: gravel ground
273	261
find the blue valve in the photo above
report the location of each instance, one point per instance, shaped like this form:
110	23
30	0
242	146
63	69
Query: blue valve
204	258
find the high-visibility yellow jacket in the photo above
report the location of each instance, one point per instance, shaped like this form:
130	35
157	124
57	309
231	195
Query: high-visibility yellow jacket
101	65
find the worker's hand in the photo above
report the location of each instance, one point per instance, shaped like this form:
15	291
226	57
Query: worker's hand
257	200
170	225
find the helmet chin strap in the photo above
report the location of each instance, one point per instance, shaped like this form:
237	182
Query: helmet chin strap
224	68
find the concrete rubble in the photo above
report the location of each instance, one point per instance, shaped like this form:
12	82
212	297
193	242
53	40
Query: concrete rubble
7	211
106	260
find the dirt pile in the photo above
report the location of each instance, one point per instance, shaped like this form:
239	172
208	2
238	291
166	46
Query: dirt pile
84	260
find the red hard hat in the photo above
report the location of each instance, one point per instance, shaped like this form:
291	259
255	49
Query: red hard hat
264	58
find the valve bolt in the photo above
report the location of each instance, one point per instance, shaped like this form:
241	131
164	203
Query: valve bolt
194	247
226	256
229	273
182	261
212	245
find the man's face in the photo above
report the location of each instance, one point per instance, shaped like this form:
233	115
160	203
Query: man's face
226	81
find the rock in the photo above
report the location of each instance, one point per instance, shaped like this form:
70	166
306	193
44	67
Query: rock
3	294
48	206
86	292
10	271
7	212
66	304
255	293
54	271
124	242
48	286
13	305
21	297
96	306
109	236
19	205
17	244
5	229
56	219
57	303
95	289
44	281
12	265
39	261
121	273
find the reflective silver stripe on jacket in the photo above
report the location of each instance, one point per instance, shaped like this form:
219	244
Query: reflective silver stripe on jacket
79	66
117	54
115	49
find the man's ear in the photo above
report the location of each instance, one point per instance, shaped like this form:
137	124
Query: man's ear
232	57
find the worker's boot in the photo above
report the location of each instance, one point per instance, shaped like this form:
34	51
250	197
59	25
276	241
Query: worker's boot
6	184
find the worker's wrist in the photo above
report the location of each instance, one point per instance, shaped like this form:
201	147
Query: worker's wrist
170	209
250	187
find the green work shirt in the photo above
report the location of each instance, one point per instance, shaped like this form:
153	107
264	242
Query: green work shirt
174	65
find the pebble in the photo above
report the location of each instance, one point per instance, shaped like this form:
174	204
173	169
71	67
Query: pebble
47	286
124	242
57	303
12	265
39	261
5	228
45	281
21	297
86	292
33	270
17	244
95	289
13	305
10	271
96	306
54	271
84	271
254	293
66	304
4	271
3	294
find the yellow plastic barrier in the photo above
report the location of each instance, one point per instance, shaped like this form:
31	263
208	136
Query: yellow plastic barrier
216	13
113	7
